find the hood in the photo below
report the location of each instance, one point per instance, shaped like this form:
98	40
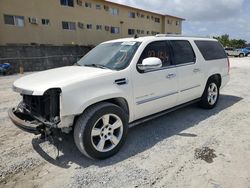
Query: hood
38	83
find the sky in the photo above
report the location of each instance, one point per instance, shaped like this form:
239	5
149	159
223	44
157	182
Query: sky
204	17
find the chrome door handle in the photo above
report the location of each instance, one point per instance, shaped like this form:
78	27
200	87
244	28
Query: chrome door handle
169	76
196	70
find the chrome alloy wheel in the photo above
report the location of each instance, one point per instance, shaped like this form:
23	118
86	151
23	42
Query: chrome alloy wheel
212	93
107	132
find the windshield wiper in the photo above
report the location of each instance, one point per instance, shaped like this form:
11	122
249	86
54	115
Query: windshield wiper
97	65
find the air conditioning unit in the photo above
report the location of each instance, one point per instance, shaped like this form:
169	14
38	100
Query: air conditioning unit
33	20
79	2
106	7
107	28
80	25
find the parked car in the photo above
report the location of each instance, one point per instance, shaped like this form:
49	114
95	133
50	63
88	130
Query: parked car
235	52
246	51
119	84
5	69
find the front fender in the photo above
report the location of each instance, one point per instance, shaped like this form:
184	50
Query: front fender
75	99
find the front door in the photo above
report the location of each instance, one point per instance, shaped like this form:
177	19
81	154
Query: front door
155	90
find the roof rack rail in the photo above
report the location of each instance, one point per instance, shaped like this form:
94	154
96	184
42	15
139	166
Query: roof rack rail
180	35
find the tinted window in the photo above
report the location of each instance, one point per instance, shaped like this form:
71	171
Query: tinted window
211	50
157	49
182	52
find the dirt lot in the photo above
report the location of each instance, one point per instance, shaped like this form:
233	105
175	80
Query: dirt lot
190	147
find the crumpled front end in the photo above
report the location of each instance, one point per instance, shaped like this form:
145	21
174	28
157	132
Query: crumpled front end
35	114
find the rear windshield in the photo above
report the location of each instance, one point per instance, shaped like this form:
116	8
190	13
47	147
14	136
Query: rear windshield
211	50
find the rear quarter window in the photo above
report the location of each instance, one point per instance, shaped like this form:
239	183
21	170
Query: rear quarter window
211	50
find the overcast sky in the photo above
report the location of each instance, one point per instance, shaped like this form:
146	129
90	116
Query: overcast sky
204	17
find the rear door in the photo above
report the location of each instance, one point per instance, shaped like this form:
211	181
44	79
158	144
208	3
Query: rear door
189	70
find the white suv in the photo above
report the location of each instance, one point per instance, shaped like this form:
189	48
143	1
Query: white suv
118	84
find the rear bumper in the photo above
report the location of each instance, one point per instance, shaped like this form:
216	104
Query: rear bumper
25	122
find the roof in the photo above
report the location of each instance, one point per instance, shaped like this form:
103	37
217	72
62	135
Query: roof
136	8
160	37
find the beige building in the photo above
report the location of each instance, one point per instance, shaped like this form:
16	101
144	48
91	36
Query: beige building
82	22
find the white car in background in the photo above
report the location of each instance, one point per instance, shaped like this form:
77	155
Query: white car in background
118	84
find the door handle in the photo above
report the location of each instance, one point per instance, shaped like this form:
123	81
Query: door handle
169	76
196	70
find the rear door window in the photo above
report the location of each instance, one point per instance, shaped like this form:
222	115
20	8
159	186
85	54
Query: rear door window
211	50
182	52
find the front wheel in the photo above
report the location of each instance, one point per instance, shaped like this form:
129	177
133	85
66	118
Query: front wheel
210	95
101	130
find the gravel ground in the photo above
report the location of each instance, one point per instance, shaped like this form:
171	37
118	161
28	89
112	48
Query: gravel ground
190	147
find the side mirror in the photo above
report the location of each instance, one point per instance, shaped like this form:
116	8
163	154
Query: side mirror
150	63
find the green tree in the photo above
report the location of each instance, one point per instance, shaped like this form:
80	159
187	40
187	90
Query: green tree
227	42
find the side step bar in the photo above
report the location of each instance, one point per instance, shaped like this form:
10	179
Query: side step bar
148	118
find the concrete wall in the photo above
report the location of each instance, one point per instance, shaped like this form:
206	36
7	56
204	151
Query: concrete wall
37	58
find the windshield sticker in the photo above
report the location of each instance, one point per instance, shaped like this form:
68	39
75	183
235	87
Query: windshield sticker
128	43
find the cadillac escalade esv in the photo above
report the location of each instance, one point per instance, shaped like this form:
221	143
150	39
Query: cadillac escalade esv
118	84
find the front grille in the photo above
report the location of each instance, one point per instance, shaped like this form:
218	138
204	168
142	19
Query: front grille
45	107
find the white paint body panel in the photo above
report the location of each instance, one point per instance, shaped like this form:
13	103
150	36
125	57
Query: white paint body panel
145	94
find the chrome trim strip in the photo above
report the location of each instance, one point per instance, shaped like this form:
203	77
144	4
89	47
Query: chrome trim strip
169	67
190	88
155	98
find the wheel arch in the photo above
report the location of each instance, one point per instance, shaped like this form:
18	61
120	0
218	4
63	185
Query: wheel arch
119	101
217	77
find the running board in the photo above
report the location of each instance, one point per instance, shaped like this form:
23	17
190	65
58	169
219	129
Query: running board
150	117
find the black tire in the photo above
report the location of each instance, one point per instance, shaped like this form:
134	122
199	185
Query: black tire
204	102
241	55
86	122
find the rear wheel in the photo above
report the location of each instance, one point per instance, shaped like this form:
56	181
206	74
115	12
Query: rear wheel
101	130
210	95
241	55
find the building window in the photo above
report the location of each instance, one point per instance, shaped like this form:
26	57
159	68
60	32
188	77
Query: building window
69	25
138	31
142	32
45	21
69	3
177	23
169	21
157	20
14	20
138	14
142	16
114	11
97	6
131	15
89	26
131	31
98	27
148	33
88	5
148	17
115	30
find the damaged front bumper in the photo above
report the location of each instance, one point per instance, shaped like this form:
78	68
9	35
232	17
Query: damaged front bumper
26	122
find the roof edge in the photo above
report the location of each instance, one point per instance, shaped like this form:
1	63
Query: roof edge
160	14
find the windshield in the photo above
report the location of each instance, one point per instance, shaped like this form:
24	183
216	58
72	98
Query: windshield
115	56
